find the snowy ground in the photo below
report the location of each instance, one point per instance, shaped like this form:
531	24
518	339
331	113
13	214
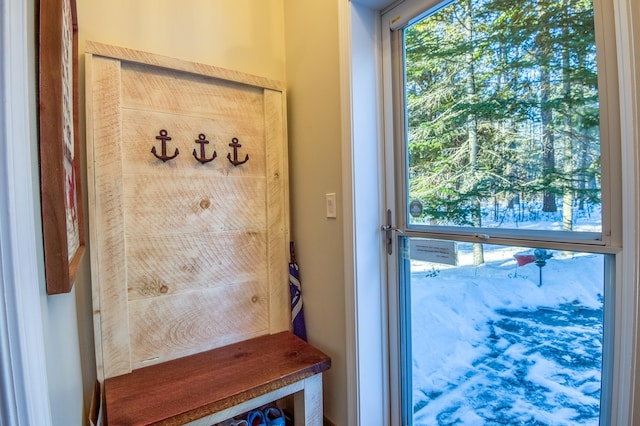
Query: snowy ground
491	347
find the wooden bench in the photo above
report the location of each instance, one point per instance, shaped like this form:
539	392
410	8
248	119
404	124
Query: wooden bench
187	256
212	386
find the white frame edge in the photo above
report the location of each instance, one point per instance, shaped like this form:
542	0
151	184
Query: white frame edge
363	187
344	40
626	338
23	386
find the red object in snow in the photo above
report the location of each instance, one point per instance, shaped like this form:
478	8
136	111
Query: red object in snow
524	259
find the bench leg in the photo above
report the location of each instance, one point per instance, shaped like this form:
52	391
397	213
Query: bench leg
308	403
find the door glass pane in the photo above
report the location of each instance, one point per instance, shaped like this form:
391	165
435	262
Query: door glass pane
502	116
514	341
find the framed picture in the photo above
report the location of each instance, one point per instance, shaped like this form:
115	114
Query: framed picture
61	195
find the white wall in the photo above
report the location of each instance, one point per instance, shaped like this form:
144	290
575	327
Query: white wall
315	161
64	367
242	35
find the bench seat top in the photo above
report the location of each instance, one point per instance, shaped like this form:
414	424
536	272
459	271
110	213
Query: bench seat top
185	389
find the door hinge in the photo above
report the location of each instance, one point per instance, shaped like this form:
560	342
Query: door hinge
389	229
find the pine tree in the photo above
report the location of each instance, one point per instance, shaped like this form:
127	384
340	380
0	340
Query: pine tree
499	97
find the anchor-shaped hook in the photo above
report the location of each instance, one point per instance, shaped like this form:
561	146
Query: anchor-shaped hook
203	158
235	145
164	138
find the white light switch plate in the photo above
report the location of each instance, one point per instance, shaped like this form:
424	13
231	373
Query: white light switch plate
331	204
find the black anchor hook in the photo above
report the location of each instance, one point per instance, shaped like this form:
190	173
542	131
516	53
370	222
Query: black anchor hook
235	145
164	138
203	158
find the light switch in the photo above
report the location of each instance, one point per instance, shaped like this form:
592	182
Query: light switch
331	204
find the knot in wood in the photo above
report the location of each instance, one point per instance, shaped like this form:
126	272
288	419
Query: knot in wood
239	355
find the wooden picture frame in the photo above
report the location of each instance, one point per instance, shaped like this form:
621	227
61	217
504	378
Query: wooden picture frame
61	195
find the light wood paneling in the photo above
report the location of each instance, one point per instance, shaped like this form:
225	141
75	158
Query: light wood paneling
277	209
193	205
106	218
168	327
193	263
190	256
136	56
157	89
140	129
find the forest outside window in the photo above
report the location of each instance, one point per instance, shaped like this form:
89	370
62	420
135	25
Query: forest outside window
506	261
502	112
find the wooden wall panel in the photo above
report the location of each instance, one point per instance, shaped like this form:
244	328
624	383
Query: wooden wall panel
139	57
277	209
106	216
167	327
197	205
195	262
198	252
158	89
140	129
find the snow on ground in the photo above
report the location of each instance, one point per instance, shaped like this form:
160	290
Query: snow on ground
491	346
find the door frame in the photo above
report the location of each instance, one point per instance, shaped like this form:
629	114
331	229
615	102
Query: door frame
367	355
626	386
23	385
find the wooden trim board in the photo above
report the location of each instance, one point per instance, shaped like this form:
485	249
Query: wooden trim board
132	55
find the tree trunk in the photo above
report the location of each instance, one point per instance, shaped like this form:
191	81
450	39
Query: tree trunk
567	187
583	179
584	163
548	144
546	117
474	147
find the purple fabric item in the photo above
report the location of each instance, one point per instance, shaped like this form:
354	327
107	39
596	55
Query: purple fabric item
297	312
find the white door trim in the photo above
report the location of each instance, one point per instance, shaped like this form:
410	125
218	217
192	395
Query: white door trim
363	192
626	362
23	376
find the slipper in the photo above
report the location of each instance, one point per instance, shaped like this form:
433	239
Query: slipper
256	418
274	416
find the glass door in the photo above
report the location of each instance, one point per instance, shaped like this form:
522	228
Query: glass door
505	261
516	340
